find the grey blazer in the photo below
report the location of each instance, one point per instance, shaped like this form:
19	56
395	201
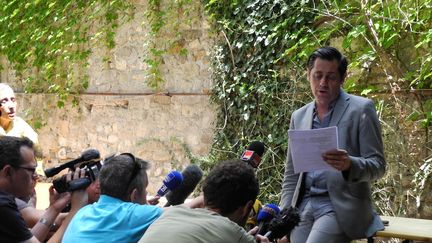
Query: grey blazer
359	134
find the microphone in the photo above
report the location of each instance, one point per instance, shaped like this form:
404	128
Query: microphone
252	155
192	175
171	182
283	223
265	215
86	156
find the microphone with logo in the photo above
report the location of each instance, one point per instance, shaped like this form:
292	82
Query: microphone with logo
171	182
192	175
265	215
253	154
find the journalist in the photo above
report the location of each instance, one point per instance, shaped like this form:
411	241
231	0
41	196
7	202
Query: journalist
229	193
121	214
17	170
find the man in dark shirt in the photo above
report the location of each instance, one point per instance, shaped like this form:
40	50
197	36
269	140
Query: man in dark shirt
12	227
17	170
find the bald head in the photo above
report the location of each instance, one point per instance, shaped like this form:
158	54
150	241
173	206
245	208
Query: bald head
8	104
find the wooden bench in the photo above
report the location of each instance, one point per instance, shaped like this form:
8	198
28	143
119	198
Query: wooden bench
408	229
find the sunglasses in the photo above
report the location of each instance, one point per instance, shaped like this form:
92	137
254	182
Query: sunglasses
137	166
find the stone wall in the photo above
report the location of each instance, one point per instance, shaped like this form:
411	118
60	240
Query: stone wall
120	113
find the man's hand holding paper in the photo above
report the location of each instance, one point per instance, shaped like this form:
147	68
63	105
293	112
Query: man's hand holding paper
338	159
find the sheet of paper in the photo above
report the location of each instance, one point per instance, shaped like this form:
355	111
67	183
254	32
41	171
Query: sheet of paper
308	145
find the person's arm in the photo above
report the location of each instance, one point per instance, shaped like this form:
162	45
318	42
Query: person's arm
258	238
79	200
371	164
290	179
31	215
41	229
58	202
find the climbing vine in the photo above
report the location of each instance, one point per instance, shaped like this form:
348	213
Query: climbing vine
47	43
259	78
167	36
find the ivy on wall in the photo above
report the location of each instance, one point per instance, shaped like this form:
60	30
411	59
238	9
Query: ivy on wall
259	78
47	43
252	82
166	18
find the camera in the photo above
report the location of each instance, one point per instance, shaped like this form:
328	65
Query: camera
89	161
91	172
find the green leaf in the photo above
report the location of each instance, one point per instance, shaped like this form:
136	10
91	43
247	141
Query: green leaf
413	116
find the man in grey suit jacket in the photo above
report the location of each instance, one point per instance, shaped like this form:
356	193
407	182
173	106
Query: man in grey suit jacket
336	206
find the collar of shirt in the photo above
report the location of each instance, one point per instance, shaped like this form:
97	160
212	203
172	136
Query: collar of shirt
109	199
327	117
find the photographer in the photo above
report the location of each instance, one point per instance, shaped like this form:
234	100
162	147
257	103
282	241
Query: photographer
17	170
121	214
89	161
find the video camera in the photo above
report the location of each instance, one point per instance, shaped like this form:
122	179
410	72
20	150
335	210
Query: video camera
89	160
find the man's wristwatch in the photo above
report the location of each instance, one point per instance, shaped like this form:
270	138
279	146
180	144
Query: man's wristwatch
45	222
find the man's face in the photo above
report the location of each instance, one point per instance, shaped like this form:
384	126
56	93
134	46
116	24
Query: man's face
24	175
8	104
325	81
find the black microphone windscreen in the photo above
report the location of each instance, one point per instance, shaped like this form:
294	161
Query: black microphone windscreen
192	175
283	223
90	154
257	147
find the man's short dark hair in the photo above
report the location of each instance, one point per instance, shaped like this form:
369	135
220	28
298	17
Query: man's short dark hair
121	174
230	185
329	53
10	150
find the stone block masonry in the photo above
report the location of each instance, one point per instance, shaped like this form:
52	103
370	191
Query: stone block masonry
119	112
